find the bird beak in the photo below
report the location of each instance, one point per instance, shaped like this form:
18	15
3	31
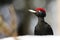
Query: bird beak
32	11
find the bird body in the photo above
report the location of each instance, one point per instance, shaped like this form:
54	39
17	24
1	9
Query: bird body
42	28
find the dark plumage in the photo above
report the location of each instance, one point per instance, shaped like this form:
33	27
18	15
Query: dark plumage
42	28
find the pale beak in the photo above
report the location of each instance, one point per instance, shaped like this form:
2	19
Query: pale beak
32	11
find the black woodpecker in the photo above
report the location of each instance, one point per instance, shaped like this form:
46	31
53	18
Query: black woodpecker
42	28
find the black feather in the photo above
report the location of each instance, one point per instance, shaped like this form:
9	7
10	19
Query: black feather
43	28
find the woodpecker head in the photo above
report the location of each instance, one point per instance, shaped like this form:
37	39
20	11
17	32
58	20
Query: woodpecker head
40	12
4	2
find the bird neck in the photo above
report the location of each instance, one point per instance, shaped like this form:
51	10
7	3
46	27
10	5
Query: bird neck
40	19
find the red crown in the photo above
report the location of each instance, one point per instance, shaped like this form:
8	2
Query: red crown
40	9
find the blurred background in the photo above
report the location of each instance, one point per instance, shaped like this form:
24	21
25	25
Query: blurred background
28	21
